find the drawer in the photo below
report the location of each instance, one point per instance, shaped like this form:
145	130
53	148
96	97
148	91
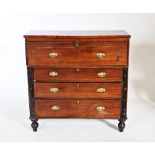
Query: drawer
77	90
108	54
77	108
78	75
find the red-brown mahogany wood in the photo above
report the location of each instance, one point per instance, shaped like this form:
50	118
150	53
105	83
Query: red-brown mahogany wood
86	54
78	108
78	90
77	74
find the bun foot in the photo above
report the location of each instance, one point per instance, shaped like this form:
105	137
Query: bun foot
121	126
34	125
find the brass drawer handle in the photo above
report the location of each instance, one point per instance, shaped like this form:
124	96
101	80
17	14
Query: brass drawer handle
53	54
100	55
54	90
100	108
101	90
53	73
55	108
101	74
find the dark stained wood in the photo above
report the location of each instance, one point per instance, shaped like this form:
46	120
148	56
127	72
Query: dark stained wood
78	75
78	90
78	109
123	118
32	117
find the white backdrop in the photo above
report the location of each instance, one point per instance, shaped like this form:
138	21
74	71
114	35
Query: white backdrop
14	123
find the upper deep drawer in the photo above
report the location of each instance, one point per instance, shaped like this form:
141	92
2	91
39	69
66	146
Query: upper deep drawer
80	54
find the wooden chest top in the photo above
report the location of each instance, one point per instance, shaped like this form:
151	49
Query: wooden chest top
82	34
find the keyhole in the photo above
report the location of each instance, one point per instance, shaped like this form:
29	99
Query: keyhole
77	44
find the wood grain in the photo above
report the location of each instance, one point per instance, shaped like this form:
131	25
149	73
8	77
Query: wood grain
86	54
78	75
80	109
92	35
78	90
77	66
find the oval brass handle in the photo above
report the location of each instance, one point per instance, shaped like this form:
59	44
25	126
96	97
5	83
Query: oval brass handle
101	74
55	107
100	55
100	108
54	90
53	54
53	73
101	90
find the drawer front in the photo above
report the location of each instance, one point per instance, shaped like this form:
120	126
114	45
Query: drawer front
77	90
78	75
108	54
78	108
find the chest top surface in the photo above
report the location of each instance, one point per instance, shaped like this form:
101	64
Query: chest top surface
79	34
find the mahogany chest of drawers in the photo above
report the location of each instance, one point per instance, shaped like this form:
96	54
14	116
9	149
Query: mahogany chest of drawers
77	74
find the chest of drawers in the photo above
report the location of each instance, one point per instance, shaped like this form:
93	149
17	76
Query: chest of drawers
77	74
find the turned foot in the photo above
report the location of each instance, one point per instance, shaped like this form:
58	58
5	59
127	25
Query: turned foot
121	126
34	125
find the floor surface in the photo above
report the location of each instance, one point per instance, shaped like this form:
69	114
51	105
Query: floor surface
15	125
